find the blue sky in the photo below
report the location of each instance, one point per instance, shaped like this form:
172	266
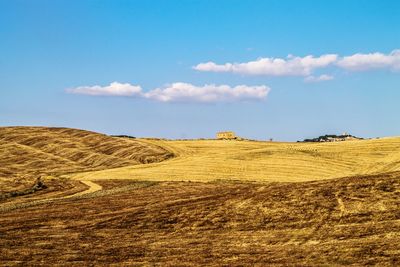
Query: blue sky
58	60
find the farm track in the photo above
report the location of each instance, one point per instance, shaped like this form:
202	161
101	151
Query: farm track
91	188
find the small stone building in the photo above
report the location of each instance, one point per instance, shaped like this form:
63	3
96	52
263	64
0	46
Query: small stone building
226	135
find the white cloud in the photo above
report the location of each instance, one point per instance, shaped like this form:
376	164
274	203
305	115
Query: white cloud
185	92
291	66
321	78
362	62
114	89
180	92
305	66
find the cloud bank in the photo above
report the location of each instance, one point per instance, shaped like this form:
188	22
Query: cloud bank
305	66
363	62
185	92
291	66
114	89
179	92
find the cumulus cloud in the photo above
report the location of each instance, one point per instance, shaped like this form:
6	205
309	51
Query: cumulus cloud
304	66
291	66
321	78
186	92
180	92
114	89
362	62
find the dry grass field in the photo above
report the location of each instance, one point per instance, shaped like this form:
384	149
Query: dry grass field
209	160
346	221
185	203
28	152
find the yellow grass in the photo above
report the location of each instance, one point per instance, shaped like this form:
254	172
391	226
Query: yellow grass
108	218
207	160
28	152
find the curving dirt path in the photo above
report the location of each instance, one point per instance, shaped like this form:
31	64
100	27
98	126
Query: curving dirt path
93	187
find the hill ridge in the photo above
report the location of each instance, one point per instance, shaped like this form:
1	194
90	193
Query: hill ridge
26	152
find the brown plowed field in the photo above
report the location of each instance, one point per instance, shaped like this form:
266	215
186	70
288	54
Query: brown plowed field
343	221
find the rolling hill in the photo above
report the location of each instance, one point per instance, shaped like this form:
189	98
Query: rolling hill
209	160
26	152
247	202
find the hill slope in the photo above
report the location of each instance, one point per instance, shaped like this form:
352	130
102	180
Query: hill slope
26	152
345	221
351	221
208	160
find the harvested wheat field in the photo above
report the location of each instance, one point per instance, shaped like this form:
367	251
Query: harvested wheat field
109	200
208	160
29	152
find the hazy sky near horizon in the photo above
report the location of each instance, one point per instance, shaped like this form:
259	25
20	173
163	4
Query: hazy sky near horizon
286	70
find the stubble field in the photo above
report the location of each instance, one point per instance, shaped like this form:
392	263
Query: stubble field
212	203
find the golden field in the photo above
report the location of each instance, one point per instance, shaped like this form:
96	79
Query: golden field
134	202
29	152
209	160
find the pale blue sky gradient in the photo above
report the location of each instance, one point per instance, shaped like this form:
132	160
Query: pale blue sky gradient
49	46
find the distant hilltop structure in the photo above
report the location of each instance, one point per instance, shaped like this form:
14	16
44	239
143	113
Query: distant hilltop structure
226	135
334	138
